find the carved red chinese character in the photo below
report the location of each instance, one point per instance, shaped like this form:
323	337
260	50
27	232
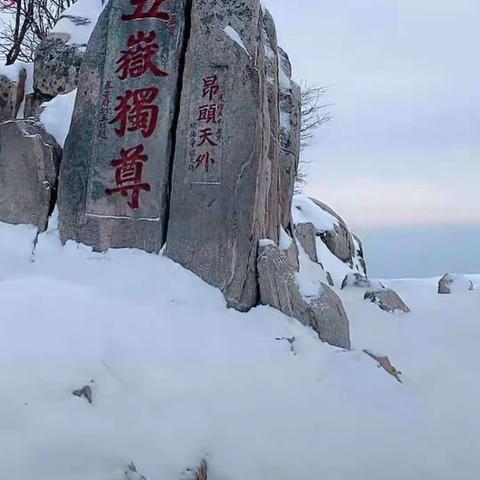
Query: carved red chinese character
139	57
205	159
206	136
211	87
209	113
146	9
128	175
136	111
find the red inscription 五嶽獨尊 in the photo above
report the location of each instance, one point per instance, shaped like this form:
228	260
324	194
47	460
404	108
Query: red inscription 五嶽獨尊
128	175
137	111
146	9
139	57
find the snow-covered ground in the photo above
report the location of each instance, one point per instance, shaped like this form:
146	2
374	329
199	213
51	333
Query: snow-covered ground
177	377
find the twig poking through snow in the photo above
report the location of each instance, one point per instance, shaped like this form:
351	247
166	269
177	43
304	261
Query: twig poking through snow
291	341
384	362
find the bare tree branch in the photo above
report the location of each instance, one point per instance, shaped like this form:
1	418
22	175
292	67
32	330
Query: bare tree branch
315	114
27	23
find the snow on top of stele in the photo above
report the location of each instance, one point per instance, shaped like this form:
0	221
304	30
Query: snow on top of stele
79	20
175	377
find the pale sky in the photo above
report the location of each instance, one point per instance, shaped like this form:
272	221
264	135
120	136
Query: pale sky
404	145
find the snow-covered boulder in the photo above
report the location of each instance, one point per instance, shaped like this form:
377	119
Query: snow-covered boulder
387	300
29	165
60	54
321	310
360	281
12	90
454	283
337	249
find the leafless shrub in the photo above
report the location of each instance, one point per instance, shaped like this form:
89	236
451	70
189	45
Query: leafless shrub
25	23
315	114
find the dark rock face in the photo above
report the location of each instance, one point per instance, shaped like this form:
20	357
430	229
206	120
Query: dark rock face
11	95
114	180
29	165
323	312
387	300
57	66
306	235
223	190
454	282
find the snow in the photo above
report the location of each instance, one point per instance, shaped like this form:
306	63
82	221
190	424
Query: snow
235	36
304	211
56	116
285	240
79	34
176	376
12	72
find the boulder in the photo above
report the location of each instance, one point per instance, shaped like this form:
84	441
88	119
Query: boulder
323	312
332	230
115	177
306	236
387	300
223	200
57	66
454	283
33	104
359	281
29	165
339	240
11	95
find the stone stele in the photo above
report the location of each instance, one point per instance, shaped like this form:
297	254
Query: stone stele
115	177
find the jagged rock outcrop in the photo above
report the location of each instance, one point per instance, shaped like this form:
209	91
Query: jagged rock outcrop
115	177
224	192
330	229
29	165
454	283
323	312
387	299
11	95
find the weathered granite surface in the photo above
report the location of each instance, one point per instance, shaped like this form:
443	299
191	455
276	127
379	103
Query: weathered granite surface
11	95
323	312
290	127
306	236
29	165
222	194
57	65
